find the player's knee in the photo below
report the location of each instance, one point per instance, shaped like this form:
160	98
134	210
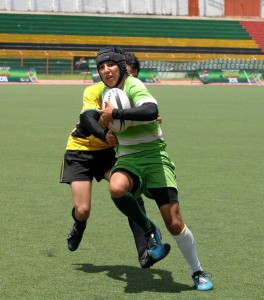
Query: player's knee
82	212
117	189
117	192
174	226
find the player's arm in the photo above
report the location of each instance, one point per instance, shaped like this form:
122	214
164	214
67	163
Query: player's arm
90	119
148	111
89	125
145	112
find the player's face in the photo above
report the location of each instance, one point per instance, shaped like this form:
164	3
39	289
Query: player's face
109	73
132	71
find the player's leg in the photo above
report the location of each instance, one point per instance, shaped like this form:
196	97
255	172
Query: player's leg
140	239
77	171
85	166
138	233
167	200
174	222
141	242
81	193
144	257
123	182
105	161
186	243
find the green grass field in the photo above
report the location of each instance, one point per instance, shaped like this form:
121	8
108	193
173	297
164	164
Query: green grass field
215	137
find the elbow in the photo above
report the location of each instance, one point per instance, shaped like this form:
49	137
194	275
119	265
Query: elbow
153	112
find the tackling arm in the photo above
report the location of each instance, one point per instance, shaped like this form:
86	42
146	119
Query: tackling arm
89	125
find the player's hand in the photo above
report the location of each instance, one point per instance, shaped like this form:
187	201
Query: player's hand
111	138
106	114
159	119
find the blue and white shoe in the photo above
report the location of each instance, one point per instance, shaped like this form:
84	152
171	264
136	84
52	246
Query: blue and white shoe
156	248
201	281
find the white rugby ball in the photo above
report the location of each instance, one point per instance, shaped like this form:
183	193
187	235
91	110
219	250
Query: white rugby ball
118	99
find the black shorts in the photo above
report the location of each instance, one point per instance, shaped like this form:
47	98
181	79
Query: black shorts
86	165
164	195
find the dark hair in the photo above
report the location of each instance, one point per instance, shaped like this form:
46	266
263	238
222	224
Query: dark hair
132	61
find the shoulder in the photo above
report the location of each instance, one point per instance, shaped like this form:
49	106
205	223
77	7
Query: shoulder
133	82
94	89
137	91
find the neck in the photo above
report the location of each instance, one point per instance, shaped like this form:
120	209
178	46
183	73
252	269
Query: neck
122	81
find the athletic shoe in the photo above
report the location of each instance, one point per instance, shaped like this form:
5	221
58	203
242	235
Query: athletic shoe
146	261
156	248
74	238
201	281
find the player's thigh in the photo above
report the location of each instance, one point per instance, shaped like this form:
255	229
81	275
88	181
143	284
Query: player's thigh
120	183
81	193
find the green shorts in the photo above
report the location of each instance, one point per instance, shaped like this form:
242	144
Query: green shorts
153	168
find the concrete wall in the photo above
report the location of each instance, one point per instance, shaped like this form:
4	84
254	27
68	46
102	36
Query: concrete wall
159	7
262	8
207	8
211	8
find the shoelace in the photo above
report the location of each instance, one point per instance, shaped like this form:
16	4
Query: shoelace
201	278
153	241
73	232
201	275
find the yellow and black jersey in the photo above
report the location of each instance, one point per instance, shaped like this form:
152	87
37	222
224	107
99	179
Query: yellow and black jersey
80	139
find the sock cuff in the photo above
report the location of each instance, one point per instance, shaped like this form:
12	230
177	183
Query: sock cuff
81	223
181	236
184	229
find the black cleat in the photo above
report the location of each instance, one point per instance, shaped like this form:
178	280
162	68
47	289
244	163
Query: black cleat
146	261
74	238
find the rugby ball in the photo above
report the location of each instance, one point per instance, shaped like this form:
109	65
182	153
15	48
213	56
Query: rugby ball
118	99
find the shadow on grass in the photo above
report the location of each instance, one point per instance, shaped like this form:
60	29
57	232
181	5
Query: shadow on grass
138	280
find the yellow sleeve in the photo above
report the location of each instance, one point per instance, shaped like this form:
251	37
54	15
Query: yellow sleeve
91	98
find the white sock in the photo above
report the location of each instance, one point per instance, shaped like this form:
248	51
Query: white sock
186	244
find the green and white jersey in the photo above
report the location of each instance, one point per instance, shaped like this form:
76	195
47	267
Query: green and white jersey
140	135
